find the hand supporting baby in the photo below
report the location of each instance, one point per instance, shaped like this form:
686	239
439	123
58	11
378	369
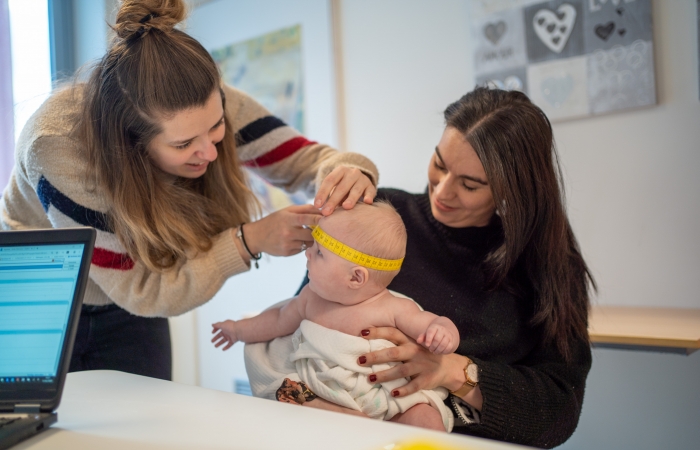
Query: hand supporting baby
226	334
441	337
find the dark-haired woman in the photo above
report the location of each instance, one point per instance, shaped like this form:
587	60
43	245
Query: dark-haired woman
489	247
150	151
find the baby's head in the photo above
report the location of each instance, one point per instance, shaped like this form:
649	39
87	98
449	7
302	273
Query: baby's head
376	230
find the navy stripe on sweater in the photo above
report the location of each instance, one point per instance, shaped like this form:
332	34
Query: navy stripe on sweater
257	129
49	195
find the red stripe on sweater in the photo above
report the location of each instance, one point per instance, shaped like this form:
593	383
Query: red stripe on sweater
277	154
111	260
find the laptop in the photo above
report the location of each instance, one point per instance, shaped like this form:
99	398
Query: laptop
43	274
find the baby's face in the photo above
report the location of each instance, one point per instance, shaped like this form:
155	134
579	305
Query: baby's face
327	271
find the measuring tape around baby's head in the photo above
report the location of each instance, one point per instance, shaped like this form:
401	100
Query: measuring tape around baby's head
352	255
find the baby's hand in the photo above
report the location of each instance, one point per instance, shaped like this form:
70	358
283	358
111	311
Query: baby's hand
438	339
226	334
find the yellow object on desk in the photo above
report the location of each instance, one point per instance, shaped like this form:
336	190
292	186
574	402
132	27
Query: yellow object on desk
425	444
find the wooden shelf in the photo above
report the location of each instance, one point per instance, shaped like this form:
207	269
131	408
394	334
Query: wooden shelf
642	328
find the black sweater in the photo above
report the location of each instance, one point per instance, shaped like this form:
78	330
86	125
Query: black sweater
531	395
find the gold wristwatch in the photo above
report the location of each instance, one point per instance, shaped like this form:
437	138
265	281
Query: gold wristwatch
471	379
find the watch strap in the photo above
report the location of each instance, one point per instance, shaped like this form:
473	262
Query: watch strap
468	385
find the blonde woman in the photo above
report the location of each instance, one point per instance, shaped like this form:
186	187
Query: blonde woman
150	151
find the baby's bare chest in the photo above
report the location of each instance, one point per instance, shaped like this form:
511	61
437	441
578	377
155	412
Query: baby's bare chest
351	319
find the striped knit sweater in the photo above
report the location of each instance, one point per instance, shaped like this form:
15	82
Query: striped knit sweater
47	190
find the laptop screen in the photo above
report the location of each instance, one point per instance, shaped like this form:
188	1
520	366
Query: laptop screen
37	288
43	276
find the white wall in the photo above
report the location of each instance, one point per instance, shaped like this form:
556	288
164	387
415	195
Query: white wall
404	61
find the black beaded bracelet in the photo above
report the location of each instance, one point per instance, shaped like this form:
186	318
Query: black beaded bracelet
240	236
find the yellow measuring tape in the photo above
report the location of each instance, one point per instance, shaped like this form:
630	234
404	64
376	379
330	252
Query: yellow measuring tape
352	255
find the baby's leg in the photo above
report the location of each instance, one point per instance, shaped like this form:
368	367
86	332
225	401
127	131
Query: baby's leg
421	415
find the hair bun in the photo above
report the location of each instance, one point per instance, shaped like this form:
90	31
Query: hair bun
137	17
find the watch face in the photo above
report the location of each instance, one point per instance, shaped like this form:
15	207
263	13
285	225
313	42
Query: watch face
473	373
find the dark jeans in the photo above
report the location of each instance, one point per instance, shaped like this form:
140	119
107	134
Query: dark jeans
109	338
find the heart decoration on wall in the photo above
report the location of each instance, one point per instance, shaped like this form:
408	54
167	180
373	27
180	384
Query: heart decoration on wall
604	31
557	89
554	28
495	31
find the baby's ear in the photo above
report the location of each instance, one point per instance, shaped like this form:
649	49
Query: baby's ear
359	277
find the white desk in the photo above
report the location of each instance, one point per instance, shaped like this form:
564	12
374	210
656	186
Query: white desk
115	410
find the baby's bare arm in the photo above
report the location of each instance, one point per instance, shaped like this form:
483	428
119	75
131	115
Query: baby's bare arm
437	333
272	323
266	326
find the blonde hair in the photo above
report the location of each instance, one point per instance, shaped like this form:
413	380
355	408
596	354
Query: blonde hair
153	70
375	229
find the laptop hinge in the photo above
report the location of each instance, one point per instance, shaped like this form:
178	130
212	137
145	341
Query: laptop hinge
27	408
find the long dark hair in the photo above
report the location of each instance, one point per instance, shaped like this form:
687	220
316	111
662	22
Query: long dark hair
514	141
154	70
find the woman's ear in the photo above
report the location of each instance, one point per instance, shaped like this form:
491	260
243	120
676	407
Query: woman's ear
359	277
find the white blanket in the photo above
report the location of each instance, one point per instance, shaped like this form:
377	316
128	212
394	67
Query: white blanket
326	360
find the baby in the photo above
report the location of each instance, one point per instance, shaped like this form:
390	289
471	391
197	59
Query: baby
354	257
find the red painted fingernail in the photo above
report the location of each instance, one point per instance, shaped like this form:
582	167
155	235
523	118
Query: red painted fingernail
365	332
372	378
395	393
362	359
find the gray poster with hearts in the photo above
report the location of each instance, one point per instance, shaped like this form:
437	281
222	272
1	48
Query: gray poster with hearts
607	23
499	42
553	30
573	58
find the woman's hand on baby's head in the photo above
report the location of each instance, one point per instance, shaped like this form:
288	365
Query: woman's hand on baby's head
225	333
344	186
